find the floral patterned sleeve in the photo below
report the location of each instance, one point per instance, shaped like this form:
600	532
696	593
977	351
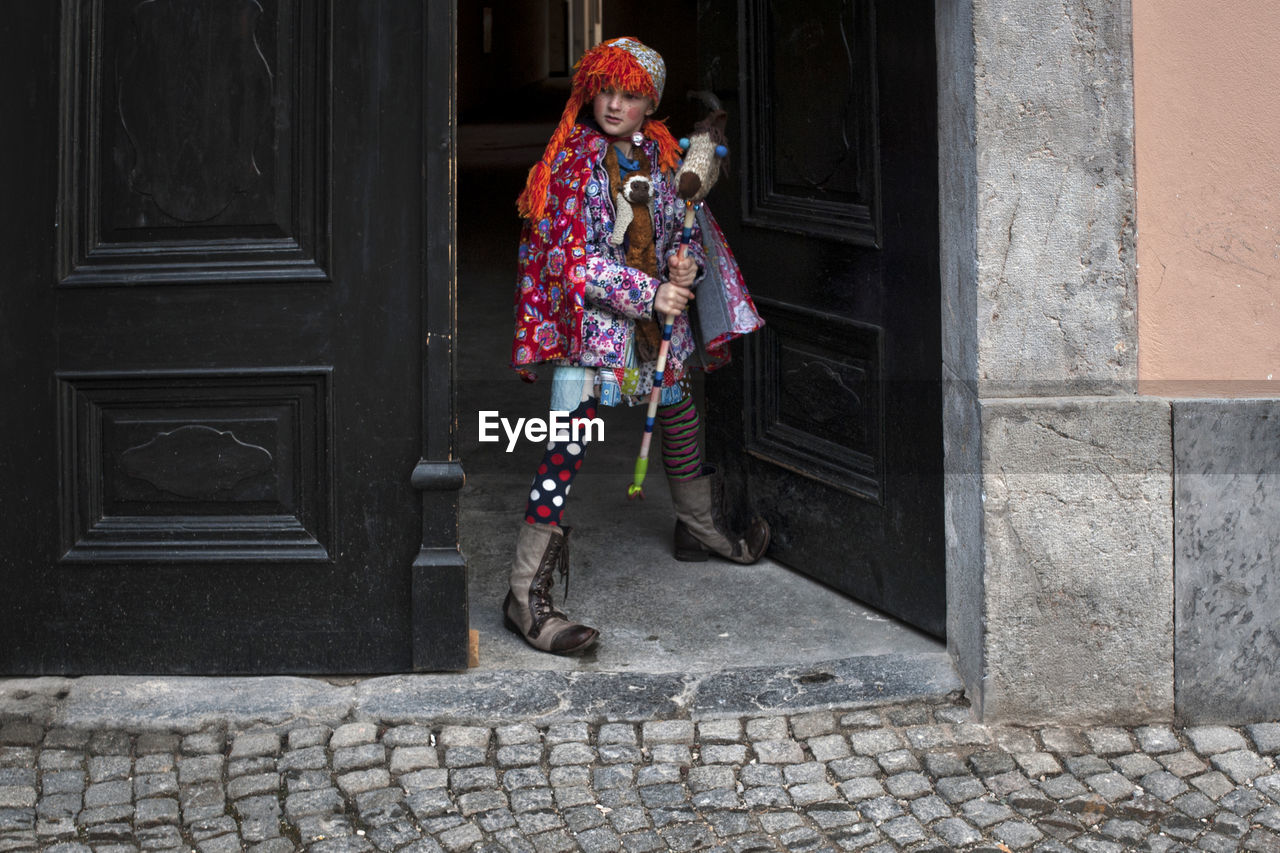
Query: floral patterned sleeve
612	285
618	288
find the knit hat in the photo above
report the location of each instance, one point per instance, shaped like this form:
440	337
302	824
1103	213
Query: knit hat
622	63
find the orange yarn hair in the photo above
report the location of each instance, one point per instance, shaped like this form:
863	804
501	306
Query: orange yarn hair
605	65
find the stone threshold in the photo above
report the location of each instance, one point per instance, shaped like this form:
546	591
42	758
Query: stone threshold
194	703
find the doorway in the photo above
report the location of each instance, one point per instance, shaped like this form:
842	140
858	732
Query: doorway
655	614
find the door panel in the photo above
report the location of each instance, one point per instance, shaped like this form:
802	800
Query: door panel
225	289
830	419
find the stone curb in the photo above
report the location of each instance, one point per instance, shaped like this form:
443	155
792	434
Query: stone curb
190	704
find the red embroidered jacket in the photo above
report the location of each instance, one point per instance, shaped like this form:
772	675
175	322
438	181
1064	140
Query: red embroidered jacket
576	301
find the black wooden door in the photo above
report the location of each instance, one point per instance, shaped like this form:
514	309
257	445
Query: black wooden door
831	418
226	320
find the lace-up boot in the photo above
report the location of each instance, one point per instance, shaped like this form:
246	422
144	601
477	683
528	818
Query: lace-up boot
700	526
541	551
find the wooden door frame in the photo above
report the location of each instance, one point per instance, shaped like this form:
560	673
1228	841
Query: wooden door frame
957	266
439	573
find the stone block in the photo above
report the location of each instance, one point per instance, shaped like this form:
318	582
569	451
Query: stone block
571	753
569	776
959	789
463	756
353	734
1078	516
816	724
1038	764
20	733
251	766
828	747
248	786
1227	584
567	733
861	788
255	744
204	768
17	797
1183	764
617	734
666	753
424	779
110	742
409	735
1056	281
1212	740
155	812
65	782
1108	740
1266	737
940	764
407	759
729	753
468	779
60	760
307	803
904	831
907	786
1135	764
929	737
812	792
1157	740
358	757
108	794
930	808
309	736
875	742
1242	765
767	728
798	774
614	754
152	742
517	733
1015	741
861	720
307	758
957	832
668	731
107	768
519	755
778	752
204	743
465	736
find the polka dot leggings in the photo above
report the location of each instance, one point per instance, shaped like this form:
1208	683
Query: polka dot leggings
555	475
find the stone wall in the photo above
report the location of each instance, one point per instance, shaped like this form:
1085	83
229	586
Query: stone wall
1056	280
1227	559
962	433
1079	574
1059	474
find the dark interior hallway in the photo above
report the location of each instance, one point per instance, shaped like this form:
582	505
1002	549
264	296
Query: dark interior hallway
655	614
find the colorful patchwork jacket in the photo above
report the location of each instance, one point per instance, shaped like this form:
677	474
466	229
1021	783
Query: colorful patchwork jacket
576	300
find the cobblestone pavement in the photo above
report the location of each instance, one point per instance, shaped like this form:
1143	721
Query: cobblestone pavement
910	777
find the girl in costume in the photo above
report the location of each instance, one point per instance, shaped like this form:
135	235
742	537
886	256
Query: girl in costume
588	302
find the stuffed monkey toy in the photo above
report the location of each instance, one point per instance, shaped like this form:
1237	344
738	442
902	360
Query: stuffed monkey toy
633	222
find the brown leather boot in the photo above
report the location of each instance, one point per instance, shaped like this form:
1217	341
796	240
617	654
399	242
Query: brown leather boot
700	527
541	549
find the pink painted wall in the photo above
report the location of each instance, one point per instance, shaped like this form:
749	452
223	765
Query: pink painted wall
1207	113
